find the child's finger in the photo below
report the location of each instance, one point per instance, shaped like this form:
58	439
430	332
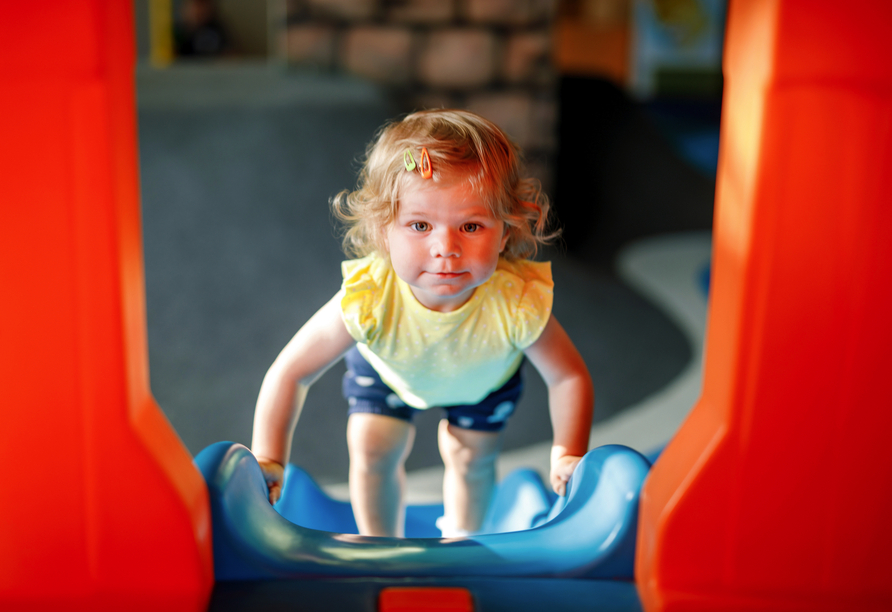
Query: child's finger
273	473
559	483
561	473
275	491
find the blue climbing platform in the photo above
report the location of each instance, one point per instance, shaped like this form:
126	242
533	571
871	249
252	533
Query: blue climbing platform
590	533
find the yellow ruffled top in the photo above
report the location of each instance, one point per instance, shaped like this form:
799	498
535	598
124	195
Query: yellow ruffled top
434	358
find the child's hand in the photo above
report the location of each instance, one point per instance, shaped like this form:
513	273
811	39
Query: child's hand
273	474
561	470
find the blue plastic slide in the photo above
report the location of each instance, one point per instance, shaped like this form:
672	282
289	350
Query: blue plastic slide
590	533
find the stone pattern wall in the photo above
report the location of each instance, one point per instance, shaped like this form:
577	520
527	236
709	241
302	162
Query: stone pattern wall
493	57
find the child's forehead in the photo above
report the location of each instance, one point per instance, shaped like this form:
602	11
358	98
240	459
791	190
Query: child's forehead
418	193
413	183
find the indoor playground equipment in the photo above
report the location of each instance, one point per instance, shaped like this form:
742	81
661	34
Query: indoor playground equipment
775	493
590	533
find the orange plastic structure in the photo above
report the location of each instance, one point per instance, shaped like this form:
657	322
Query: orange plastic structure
425	599
776	494
101	507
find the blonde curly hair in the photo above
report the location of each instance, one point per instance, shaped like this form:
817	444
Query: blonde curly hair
459	143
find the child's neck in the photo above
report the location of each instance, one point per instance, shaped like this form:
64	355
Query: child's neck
445	304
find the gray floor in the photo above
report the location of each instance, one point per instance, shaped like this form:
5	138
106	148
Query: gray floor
237	166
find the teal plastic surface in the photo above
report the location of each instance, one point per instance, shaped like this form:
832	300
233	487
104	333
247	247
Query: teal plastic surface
590	533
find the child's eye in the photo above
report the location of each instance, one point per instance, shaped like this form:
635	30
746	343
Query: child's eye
420	226
470	228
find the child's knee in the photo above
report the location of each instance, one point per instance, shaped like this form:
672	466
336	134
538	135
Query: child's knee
378	443
371	459
467	451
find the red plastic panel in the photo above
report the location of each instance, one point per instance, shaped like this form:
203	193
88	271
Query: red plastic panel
425	599
777	491
100	506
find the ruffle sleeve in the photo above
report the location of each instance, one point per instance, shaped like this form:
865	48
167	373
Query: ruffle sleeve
362	292
530	291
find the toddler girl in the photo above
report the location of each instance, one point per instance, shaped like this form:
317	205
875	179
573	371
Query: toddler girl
440	310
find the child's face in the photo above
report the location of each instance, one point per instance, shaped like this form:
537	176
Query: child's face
444	243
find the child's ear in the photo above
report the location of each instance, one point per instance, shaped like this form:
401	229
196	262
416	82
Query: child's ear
504	241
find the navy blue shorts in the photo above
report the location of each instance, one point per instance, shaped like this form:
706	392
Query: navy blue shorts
366	392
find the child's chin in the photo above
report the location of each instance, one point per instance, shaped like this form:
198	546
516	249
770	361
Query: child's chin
449	291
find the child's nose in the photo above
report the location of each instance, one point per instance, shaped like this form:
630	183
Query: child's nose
445	244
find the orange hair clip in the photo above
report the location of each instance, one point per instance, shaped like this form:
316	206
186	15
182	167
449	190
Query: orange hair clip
427	170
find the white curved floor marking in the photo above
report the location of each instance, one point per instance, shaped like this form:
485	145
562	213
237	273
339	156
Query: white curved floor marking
666	271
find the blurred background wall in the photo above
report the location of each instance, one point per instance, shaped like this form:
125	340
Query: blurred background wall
505	59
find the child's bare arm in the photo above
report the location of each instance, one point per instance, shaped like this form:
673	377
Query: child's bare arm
571	399
315	347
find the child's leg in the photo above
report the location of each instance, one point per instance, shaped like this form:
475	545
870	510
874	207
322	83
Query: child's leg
378	448
470	460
